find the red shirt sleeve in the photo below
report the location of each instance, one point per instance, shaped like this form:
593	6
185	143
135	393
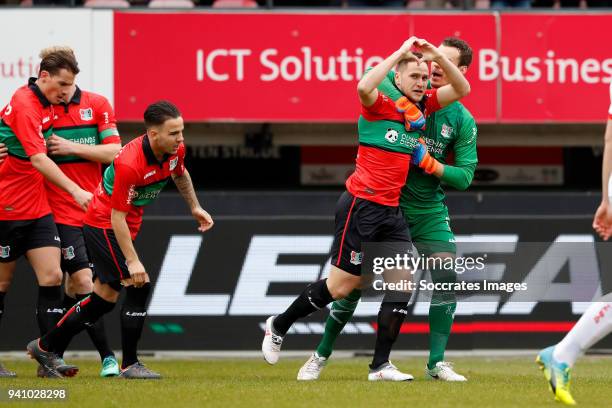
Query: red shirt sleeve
383	108
105	118
27	126
180	165
123	189
432	104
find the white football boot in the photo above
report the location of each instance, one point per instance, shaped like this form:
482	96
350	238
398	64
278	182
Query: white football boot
443	371
272	342
312	368
388	372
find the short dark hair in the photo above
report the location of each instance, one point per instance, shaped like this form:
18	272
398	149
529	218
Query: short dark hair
159	112
55	58
404	62
465	51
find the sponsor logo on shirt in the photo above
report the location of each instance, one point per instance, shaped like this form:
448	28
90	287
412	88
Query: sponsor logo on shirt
391	135
46	119
131	194
173	163
149	174
86	114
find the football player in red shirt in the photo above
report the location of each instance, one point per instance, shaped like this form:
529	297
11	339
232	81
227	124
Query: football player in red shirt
85	135
134	179
26	224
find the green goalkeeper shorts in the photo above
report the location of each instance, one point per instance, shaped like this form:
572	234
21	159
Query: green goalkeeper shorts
431	233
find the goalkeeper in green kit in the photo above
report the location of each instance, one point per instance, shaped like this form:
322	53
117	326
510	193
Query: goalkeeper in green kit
449	130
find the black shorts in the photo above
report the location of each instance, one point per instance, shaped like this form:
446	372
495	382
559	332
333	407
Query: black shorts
19	236
359	221
74	251
106	256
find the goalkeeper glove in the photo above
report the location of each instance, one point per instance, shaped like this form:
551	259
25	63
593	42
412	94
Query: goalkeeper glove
421	157
413	117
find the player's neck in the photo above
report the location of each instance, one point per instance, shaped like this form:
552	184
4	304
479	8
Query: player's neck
158	152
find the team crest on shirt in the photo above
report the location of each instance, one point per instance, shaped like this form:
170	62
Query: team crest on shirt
446	131
68	253
356	258
173	163
5	251
391	135
86	114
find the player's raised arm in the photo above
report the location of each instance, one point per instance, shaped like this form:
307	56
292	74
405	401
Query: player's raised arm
458	86
102	153
366	88
110	142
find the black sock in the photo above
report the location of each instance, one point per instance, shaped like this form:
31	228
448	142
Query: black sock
87	310
316	296
95	331
49	307
2	294
97	334
390	318
133	314
67	303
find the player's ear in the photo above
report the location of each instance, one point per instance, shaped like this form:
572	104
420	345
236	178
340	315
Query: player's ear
44	74
463	69
152	132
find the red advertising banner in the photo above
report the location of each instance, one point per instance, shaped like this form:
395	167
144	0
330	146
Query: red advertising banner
553	68
294	67
272	67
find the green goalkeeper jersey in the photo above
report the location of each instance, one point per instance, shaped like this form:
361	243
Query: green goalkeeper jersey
449	130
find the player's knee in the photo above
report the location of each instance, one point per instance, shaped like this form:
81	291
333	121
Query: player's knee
80	282
5	285
340	291
50	277
106	291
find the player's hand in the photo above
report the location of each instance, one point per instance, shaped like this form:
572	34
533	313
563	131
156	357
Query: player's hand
203	218
3	152
407	46
430	52
82	197
602	222
138	275
58	146
413	117
421	157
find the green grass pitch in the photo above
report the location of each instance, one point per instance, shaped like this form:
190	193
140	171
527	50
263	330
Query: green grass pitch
493	382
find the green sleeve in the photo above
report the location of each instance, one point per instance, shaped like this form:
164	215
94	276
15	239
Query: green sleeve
459	177
461	174
387	86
